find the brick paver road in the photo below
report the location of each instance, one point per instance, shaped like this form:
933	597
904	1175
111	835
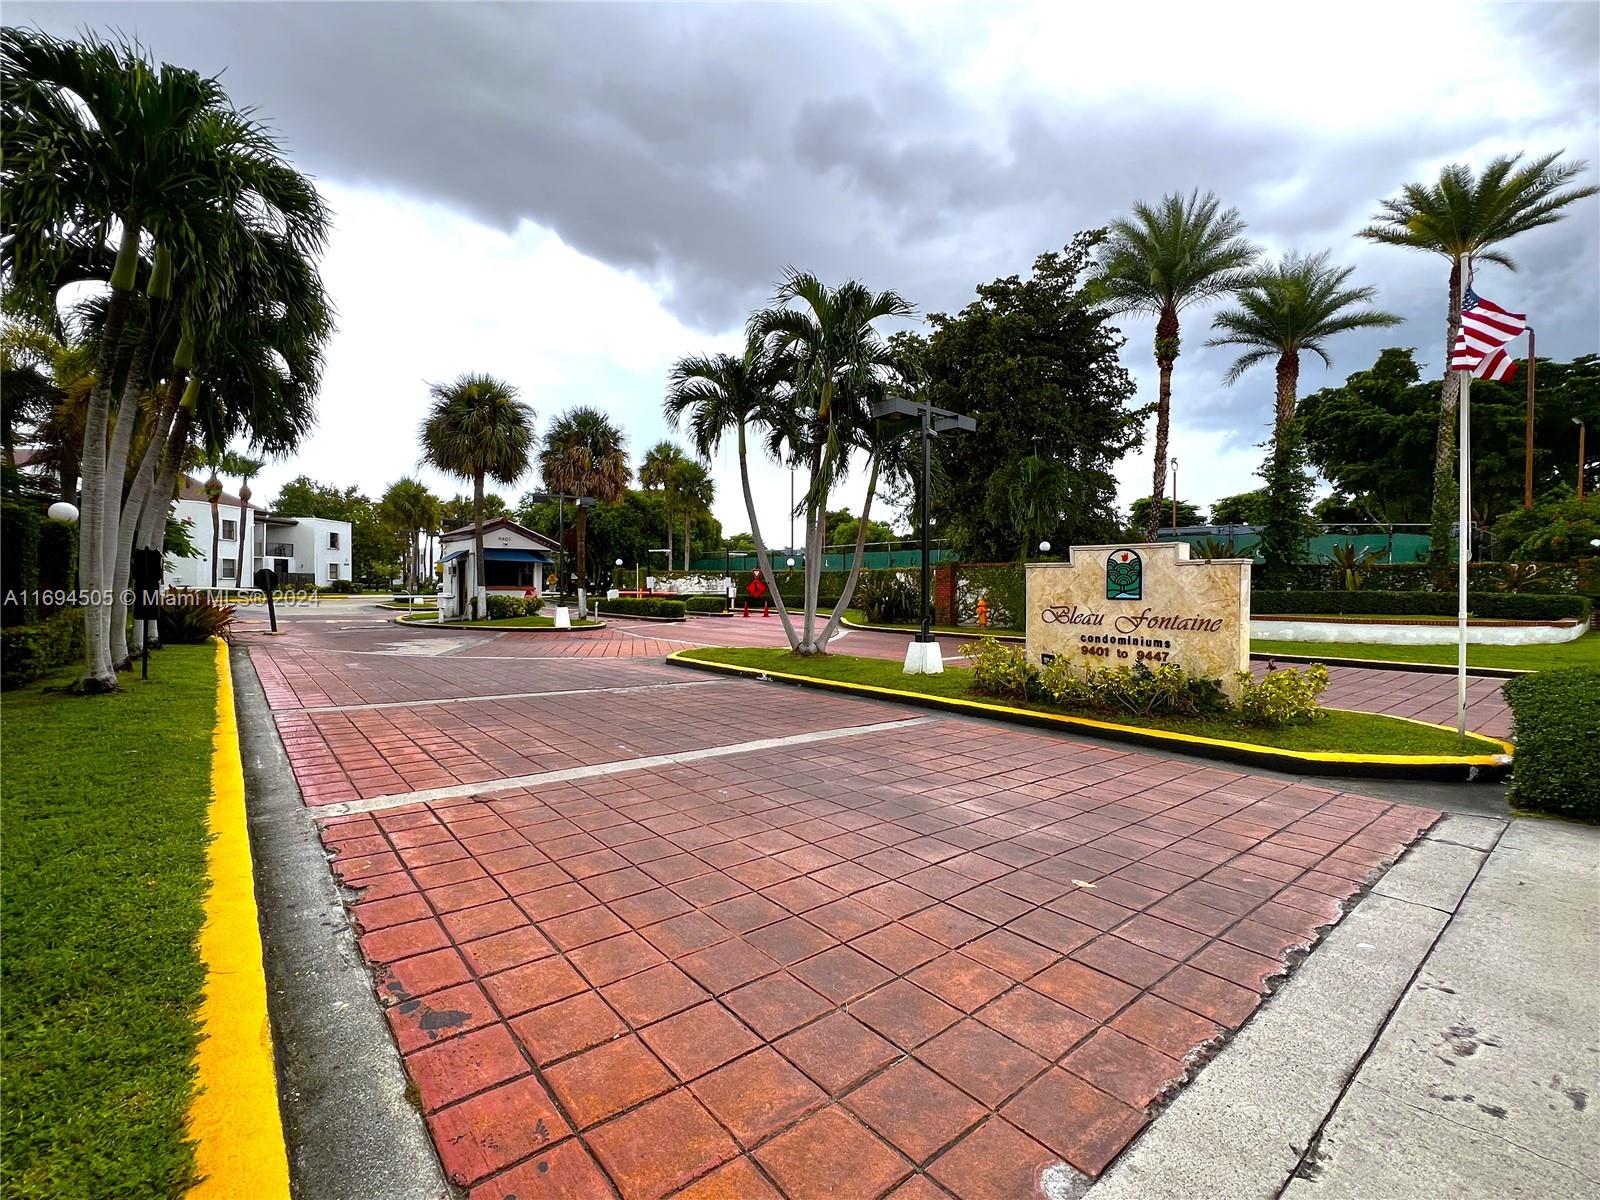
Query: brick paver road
730	940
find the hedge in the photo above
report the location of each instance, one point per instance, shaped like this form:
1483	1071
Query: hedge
629	606
703	604
28	652
1552	578
502	606
1555	718
1515	606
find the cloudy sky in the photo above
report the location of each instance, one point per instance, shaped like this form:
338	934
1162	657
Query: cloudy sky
571	196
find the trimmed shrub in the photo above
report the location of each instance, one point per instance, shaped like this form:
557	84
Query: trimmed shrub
1164	691
1555	717
502	607
1500	605
1000	669
632	606
700	604
1287	696
341	587
20	523
28	652
190	617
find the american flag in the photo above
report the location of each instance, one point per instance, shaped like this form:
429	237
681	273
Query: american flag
1485	327
1497	366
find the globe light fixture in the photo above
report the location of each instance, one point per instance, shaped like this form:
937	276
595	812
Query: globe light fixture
619	562
62	513
1044	547
791	562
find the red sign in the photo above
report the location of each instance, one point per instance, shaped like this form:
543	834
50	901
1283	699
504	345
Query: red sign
755	588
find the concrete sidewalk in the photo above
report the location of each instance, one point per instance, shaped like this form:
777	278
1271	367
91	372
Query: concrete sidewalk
1446	1042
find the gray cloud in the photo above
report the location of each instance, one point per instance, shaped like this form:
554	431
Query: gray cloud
705	147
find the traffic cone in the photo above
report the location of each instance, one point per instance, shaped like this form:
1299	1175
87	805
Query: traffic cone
747	608
766	609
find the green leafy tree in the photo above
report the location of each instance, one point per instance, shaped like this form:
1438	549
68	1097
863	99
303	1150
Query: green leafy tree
1373	436
409	508
1035	362
843	526
1243	508
458	511
1166	258
1289	308
1140	515
1466	218
1560	528
585	455
477	429
375	550
655	475
739	543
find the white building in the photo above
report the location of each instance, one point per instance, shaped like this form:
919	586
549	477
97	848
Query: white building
516	559
302	550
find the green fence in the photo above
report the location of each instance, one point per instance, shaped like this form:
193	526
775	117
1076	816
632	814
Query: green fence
839	560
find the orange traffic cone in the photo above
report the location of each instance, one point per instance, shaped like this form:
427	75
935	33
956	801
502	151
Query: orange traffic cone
766	609
747	608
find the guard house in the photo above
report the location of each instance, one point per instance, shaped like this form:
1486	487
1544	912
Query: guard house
517	562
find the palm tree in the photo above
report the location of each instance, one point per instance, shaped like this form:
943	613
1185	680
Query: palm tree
1464	218
476	428
1291	307
655	472
715	395
584	456
246	468
1033	492
691	491
1181	252
408	507
95	136
834	362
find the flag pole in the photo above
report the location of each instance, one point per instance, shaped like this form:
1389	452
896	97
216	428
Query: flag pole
1527	437
1463	528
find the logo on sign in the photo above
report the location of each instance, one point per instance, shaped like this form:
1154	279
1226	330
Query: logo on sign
1124	576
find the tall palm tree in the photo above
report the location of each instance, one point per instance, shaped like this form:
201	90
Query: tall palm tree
584	455
655	472
246	468
1287	308
1034	493
409	507
477	429
834	361
691	491
711	396
1167	257
1465	218
95	136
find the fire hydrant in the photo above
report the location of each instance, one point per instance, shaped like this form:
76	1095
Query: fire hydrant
983	611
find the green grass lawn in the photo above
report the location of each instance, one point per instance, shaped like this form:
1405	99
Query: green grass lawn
539	622
1346	732
1584	652
103	814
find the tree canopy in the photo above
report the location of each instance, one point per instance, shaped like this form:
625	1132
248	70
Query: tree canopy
1035	362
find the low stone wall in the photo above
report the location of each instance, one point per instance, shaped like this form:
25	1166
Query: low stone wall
1385	633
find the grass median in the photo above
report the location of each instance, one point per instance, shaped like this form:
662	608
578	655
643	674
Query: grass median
104	825
1339	731
1583	652
502	623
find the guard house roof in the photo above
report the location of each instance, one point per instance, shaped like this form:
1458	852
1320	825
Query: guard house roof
502	523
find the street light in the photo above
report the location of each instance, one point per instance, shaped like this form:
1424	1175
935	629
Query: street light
922	655
561	499
1044	547
62	513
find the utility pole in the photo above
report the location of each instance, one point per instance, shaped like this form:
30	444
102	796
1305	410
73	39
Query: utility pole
1174	497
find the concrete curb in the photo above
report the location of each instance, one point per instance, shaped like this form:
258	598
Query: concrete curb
352	1131
451	626
1461	768
234	1117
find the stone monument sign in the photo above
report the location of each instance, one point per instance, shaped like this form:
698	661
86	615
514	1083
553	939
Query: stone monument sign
1114	606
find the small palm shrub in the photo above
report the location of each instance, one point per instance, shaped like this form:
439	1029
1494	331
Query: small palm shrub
1287	696
1351	565
1518	577
189	617
888	597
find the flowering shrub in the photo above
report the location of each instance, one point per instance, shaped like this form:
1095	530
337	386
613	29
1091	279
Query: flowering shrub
1282	697
502	606
999	669
1142	691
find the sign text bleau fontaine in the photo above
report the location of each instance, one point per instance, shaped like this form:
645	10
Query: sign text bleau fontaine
1121	605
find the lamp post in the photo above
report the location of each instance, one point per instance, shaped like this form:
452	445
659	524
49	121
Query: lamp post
922	655
561	499
1527	431
614	573
1174	497
1578	421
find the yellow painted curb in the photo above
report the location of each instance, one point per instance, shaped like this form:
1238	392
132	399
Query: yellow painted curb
1134	732
234	1120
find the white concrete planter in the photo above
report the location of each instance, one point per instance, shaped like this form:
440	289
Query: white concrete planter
1380	633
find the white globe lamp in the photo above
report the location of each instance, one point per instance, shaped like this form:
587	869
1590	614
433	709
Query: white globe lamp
62	513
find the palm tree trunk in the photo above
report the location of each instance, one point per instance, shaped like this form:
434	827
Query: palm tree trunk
837	615
1445	494
242	572
1166	356
583	549
1281	537
763	560
479	587
98	675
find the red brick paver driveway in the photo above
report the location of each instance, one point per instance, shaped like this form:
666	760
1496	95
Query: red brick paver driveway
937	959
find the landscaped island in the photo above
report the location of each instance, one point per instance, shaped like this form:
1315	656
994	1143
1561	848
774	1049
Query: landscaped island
1337	731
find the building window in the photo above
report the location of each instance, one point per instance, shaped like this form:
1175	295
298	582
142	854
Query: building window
333	572
230	531
230	568
333	540
508	574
